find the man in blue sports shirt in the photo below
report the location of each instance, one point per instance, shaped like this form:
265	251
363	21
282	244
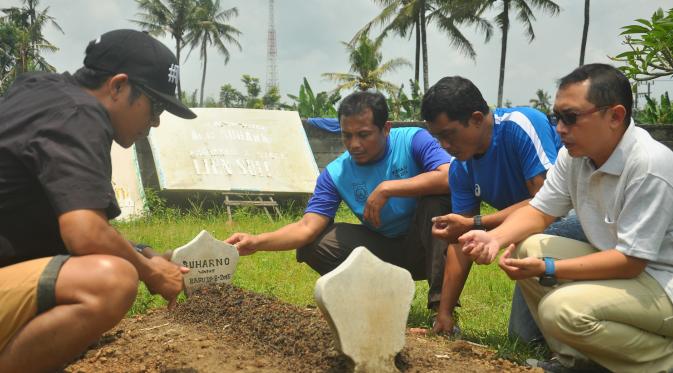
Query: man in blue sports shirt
502	157
394	181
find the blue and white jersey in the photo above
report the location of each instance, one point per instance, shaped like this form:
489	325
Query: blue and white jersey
409	152
524	144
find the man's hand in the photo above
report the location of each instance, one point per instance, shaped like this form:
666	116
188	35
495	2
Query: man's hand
519	269
450	227
444	324
479	246
246	244
377	199
165	279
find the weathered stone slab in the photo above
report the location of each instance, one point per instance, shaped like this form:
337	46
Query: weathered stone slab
126	182
234	150
366	302
210	261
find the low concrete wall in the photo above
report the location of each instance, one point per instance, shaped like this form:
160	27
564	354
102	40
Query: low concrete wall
326	146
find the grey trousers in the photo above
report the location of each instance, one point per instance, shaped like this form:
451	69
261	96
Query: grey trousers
417	251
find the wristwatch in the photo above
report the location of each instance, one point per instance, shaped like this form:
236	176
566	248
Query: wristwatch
549	276
477	224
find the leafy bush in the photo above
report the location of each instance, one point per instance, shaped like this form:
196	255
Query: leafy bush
656	112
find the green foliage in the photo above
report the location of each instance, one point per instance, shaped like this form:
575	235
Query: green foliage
656	112
542	101
210	28
231	97
403	107
650	44
367	67
310	105
22	41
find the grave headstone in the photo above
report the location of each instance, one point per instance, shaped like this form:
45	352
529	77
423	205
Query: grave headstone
210	261
366	301
126	182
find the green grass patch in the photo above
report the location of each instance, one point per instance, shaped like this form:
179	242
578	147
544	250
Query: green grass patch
485	300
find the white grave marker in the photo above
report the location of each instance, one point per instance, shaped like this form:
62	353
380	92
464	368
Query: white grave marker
210	261
366	302
126	182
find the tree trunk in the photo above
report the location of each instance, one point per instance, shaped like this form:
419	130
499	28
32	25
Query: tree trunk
503	50
424	43
177	55
203	77
417	69
585	31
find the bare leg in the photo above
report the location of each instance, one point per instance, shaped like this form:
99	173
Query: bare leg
93	293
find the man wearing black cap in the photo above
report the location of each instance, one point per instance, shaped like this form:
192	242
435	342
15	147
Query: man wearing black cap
67	276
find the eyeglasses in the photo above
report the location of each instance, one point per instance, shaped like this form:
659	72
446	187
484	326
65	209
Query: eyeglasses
156	107
569	117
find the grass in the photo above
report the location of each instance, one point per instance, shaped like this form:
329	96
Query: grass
485	300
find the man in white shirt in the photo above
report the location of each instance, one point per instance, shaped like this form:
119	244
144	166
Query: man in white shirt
608	301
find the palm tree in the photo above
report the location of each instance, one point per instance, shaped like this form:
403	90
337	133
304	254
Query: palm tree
210	28
367	68
585	31
22	41
524	13
542	101
173	17
406	16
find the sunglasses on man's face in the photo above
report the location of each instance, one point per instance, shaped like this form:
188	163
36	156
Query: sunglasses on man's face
570	117
156	107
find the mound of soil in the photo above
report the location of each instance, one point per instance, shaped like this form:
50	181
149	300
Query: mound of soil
227	329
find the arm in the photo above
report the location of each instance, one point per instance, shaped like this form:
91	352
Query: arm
426	183
289	237
602	265
456	270
450	227
87	232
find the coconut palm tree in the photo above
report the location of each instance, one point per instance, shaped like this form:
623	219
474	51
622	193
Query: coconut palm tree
404	17
367	67
210	28
524	13
172	16
542	101
585	31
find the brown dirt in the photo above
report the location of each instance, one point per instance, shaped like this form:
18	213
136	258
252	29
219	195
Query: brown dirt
227	329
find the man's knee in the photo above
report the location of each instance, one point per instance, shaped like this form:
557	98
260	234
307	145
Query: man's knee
107	285
530	247
562	317
433	205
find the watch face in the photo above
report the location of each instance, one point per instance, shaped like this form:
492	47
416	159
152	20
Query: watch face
548	280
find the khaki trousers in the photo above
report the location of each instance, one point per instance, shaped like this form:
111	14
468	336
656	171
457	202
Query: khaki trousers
624	325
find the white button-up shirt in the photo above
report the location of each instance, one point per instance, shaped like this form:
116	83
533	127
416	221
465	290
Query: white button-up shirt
626	204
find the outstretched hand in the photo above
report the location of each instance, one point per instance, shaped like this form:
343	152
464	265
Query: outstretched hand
479	246
246	244
450	227
518	269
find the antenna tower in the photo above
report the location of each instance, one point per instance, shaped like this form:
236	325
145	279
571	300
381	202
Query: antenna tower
271	53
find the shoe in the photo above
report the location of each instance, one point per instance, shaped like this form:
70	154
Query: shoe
553	365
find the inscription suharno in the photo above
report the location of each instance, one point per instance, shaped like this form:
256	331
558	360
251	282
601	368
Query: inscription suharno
210	261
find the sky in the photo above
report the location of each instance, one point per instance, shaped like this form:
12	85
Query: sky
310	32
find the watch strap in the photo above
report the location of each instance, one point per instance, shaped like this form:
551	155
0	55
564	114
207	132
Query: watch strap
549	266
477	223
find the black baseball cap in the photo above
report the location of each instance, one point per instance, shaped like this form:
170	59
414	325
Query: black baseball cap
144	59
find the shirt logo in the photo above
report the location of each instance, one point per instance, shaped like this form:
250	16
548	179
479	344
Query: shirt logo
400	172
477	190
360	192
173	73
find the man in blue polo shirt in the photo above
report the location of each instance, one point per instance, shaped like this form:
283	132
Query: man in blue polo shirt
502	157
394	181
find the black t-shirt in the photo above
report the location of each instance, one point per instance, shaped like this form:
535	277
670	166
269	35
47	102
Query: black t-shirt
55	142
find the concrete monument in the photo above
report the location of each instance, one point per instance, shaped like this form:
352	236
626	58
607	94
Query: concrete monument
126	182
210	261
366	301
